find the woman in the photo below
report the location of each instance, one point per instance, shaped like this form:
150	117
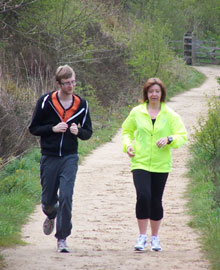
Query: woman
149	133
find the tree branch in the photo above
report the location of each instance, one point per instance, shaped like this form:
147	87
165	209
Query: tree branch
9	5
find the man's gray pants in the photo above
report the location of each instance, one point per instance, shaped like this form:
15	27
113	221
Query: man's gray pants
57	180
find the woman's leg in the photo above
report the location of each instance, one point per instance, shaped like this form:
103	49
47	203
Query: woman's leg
142	185
155	226
142	182
142	225
157	188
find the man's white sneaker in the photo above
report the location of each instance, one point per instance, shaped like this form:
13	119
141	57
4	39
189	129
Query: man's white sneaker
155	243
141	243
62	246
48	226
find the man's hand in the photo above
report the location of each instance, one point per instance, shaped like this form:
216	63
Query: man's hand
74	129
61	127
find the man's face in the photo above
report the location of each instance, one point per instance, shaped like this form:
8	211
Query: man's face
67	86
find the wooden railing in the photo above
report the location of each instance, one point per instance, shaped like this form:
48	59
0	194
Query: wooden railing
196	52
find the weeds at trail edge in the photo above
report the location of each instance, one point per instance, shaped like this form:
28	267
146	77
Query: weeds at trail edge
204	188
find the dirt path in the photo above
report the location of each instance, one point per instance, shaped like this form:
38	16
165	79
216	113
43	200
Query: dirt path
104	222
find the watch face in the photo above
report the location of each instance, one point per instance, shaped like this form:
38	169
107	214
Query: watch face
170	139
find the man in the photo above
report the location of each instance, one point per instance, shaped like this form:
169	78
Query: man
60	118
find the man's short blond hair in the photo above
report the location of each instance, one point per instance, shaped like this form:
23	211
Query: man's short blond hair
64	72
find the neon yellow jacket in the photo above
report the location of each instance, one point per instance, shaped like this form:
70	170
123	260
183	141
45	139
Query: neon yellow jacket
139	131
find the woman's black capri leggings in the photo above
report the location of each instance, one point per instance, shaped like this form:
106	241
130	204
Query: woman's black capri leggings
149	188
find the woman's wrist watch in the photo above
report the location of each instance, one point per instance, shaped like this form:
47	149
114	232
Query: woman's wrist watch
170	139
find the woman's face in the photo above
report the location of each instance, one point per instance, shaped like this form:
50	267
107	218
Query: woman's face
154	94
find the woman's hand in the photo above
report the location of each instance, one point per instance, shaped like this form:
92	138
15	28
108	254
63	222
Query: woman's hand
162	142
130	151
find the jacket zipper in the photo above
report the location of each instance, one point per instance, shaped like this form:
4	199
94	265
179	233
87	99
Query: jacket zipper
151	142
72	117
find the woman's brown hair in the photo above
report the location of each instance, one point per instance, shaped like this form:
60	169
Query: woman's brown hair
150	82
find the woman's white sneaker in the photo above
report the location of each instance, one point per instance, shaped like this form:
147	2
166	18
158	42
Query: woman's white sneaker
155	243
141	243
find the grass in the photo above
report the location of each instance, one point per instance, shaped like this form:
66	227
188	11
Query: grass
205	213
19	193
19	181
194	79
203	190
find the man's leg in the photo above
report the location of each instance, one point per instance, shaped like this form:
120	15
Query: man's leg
49	169
69	169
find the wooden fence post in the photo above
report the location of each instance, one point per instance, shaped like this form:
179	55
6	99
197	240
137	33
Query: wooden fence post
187	48
194	51
194	40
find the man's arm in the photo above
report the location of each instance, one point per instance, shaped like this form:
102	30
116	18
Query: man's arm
37	127
85	131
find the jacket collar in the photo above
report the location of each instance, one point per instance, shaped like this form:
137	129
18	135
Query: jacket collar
143	107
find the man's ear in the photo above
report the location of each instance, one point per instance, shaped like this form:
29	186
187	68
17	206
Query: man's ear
58	84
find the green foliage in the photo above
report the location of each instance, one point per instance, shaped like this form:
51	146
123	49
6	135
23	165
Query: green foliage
17	175
207	138
19	193
60	27
207	146
148	52
218	81
201	16
14	211
149	56
182	78
204	189
89	93
205	213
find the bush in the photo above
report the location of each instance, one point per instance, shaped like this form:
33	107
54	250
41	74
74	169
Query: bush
15	114
206	146
204	189
148	51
